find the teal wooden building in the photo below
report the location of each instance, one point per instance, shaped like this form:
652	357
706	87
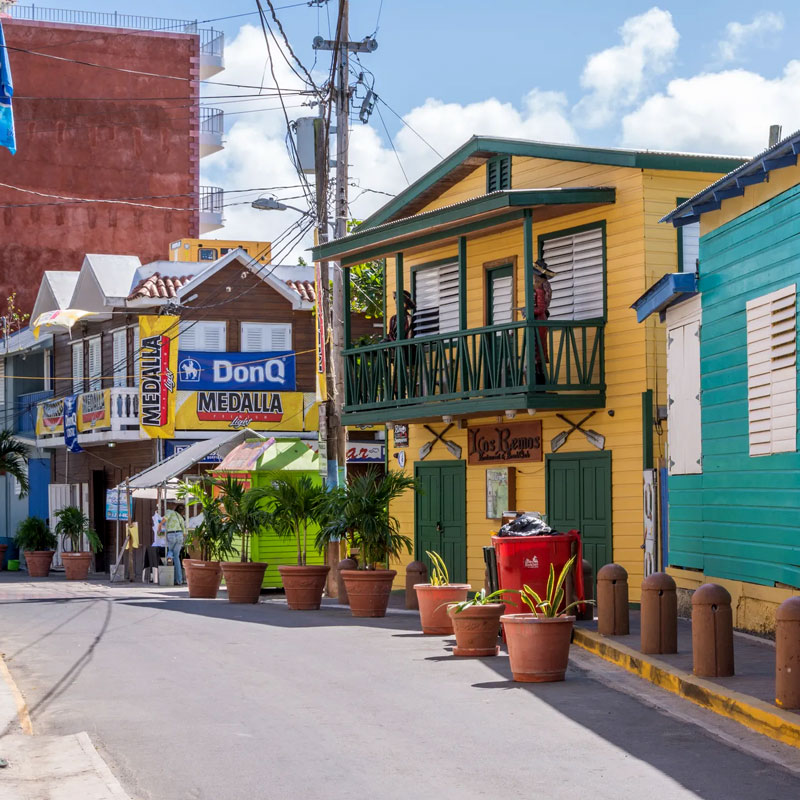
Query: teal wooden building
733	460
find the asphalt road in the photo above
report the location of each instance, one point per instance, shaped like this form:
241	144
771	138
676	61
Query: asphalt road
201	700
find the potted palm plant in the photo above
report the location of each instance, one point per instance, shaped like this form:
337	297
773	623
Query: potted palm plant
434	597
538	642
39	543
359	512
244	514
294	502
72	526
212	537
476	623
13	462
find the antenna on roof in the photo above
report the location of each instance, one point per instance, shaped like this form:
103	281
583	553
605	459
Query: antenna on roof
774	134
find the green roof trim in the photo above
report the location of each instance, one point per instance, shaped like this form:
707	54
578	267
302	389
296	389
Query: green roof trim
459	212
641	159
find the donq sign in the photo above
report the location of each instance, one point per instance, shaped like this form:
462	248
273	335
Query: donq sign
158	365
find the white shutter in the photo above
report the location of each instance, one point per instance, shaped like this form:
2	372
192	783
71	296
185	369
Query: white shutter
5	411
502	299
120	356
77	367
203	336
95	364
772	372
266	337
436	297
577	261
135	370
690	246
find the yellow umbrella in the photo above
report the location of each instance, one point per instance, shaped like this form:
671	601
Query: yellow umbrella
64	318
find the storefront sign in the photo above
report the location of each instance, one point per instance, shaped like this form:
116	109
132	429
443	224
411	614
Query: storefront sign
71	424
365	453
116	506
94	410
235	410
174	446
50	417
158	363
505	442
401	435
236	372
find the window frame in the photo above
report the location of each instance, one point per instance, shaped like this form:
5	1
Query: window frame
98	380
498	161
441	262
194	323
114	366
78	383
679	229
265	325
601	224
489	269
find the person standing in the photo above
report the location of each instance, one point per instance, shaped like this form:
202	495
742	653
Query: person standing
543	294
174	526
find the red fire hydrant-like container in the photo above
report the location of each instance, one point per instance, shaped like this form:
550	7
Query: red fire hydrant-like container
527	559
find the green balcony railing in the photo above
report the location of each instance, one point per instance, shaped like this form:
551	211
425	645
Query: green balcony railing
516	360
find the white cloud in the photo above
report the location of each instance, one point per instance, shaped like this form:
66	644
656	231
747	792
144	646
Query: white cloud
724	112
738	35
617	77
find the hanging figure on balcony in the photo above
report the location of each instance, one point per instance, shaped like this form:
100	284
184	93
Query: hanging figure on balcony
409	306
543	294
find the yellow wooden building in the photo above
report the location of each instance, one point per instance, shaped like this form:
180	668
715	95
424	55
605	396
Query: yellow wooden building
483	380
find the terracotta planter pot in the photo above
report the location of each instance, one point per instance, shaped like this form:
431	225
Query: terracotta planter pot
368	590
76	565
39	562
538	648
203	577
476	629
3	548
433	600
304	585
243	581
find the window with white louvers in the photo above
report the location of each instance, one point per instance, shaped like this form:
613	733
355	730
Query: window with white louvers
266	337
689	244
772	372
95	364
684	432
120	356
578	283
135	347
77	367
205	336
436	298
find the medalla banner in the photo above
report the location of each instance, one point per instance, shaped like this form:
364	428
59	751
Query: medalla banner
50	417
243	372
234	409
158	365
94	410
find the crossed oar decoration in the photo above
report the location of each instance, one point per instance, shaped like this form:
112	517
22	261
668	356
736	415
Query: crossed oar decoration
593	437
452	447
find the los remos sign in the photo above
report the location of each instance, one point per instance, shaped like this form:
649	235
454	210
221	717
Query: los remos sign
505	443
241	372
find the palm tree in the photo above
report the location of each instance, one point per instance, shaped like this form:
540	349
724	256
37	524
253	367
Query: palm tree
294	501
14	460
244	510
213	535
72	526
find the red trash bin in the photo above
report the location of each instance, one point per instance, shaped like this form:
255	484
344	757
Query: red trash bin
527	559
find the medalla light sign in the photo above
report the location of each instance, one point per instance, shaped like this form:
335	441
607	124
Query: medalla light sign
235	371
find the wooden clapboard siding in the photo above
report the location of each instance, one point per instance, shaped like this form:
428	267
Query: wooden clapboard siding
740	519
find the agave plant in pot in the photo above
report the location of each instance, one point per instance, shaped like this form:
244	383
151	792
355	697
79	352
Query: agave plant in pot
39	543
359	512
538	642
244	514
476	623
213	537
434	597
73	527
294	502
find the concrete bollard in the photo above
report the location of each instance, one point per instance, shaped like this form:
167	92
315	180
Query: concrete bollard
712	631
345	563
613	618
588	583
416	572
787	654
659	614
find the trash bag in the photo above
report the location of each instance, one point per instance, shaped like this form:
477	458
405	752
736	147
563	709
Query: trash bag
529	524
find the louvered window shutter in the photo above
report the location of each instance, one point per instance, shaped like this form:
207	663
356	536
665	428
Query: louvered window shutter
772	372
578	286
120	357
95	364
203	336
280	338
77	367
690	246
135	370
498	174
436	296
491	176
266	337
187	335
502	298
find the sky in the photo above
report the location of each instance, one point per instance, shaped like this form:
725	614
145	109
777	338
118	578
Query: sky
693	76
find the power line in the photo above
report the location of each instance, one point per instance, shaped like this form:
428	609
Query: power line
389	137
289	46
413	130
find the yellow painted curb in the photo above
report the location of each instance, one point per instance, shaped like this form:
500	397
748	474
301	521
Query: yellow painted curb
749	711
22	707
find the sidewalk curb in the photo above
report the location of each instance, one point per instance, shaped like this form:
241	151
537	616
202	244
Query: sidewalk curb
748	711
100	766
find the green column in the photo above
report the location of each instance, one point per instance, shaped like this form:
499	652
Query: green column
530	296
647	429
462	283
399	305
346	287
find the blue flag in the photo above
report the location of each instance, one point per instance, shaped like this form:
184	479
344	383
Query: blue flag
7	137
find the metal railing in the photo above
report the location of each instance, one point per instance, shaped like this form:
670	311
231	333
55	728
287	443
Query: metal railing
492	362
212	42
211	199
26	410
212	120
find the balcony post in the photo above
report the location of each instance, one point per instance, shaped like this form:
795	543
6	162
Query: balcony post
400	306
346	288
462	283
530	294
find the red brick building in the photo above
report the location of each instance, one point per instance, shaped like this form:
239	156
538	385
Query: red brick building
104	133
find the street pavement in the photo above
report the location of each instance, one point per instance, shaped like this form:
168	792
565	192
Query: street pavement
194	700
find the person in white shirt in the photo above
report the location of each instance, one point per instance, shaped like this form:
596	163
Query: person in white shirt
174	526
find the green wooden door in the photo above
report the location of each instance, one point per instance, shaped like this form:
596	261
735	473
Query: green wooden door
440	515
579	497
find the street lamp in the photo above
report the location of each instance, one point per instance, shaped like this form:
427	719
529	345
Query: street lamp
271	204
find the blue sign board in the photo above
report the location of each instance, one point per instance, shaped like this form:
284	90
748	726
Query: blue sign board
116	507
174	446
264	372
71	424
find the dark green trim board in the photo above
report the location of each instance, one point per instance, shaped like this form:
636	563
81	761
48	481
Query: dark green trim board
462	283
530	295
460	212
647	429
498	174
492	273
347	310
398	305
637	159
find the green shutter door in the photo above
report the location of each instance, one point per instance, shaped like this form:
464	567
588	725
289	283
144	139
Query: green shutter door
440	516
579	497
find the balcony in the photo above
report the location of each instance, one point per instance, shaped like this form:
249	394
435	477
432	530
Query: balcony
211	130
210	201
25	411
479	371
